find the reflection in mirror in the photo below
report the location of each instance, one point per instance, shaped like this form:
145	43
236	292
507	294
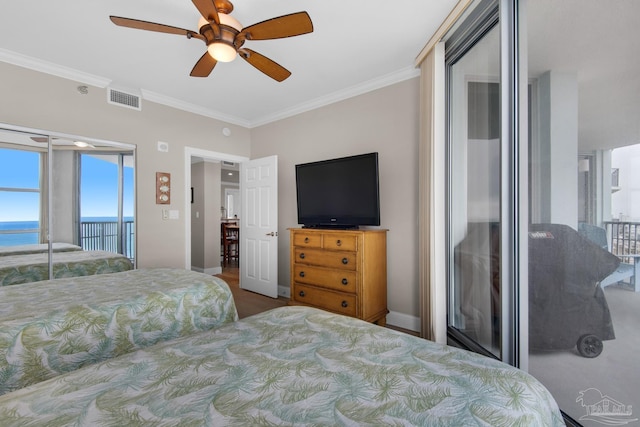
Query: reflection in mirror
67	207
23	160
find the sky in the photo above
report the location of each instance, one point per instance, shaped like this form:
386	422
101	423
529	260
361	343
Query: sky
99	187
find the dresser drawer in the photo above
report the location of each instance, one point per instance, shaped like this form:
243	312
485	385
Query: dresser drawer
322	258
309	240
339	242
328	300
339	280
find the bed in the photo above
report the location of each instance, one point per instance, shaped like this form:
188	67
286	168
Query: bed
56	326
289	366
33	267
37	248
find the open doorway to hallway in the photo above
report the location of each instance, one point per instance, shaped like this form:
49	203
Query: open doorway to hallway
206	207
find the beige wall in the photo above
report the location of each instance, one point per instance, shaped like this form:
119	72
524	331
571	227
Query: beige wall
36	100
385	121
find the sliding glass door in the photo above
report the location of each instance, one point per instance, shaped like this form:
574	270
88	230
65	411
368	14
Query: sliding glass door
106	201
473	75
584	297
543	202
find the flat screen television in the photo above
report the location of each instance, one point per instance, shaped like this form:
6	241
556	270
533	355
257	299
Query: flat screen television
339	193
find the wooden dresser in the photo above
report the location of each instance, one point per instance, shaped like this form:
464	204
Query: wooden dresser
344	271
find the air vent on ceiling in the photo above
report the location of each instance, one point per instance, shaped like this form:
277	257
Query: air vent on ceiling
123	99
226	163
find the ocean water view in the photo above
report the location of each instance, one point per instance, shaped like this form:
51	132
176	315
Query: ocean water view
23	236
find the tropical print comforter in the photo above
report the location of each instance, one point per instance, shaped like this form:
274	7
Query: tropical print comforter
16	269
289	366
51	327
38	248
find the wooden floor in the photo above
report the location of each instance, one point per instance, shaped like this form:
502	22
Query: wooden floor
247	302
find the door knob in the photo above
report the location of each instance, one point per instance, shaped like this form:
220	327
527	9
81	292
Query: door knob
271	234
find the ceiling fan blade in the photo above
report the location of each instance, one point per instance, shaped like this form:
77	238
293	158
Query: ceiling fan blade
264	64
291	25
204	66
207	9
152	26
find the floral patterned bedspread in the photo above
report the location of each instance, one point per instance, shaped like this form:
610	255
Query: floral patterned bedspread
16	269
289	366
37	248
56	326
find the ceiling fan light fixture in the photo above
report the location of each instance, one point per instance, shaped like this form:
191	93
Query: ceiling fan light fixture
202	22
83	144
229	21
222	52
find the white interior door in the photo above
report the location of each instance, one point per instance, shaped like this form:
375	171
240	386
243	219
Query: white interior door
259	226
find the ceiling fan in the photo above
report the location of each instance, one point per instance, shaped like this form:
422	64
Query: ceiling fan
225	37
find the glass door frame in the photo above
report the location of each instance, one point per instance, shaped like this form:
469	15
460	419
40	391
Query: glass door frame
513	174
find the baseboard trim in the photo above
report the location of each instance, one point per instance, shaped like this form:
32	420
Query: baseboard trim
403	321
210	271
284	291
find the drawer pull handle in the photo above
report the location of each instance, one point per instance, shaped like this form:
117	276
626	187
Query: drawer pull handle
306	240
345	261
302	255
345	281
301	293
302	274
345	304
338	242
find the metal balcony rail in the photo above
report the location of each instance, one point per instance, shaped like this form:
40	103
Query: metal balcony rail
103	236
623	238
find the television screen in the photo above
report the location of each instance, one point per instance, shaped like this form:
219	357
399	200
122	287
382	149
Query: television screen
340	192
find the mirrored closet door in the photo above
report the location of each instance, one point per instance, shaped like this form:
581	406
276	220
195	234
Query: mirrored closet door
58	195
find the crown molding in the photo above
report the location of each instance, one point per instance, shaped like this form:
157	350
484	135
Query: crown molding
341	95
192	108
51	68
102	82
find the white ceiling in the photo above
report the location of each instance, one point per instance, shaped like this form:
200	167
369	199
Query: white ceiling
598	40
356	45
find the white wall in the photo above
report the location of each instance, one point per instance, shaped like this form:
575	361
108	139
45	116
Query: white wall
557	148
385	121
64	196
625	203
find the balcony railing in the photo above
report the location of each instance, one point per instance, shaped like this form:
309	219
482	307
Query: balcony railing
103	236
623	238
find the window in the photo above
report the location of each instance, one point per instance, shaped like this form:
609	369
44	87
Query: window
106	202
19	197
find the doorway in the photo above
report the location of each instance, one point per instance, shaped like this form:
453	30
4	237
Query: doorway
209	207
